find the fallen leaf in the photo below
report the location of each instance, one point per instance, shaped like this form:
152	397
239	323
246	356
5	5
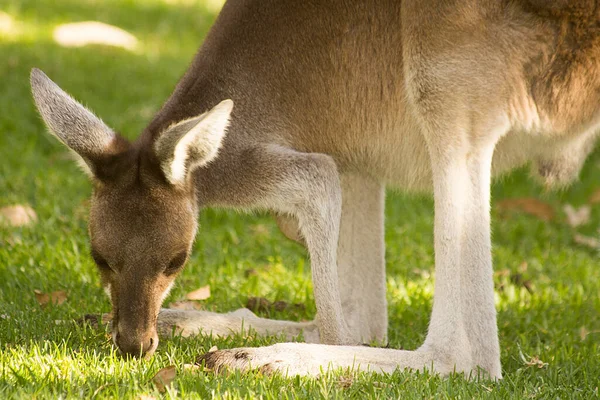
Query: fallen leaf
202	293
213	349
531	206
107	318
532	361
583	332
146	397
502	272
191	367
528	285
250	272
13	240
523	267
164	377
577	216
100	388
587	241
56	298
185	305
260	229
487	388
535	362
517	279
345	381
280	305
422	273
18	215
258	304
595	197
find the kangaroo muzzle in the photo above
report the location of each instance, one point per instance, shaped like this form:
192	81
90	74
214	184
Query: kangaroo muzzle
136	344
134	327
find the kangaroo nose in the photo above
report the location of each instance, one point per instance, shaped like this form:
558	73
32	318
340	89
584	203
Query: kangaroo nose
137	345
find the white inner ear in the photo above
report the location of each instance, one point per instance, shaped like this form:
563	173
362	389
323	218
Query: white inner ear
192	143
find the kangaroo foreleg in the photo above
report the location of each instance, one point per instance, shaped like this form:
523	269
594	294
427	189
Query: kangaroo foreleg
189	323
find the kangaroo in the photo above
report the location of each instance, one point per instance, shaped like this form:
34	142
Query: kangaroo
310	109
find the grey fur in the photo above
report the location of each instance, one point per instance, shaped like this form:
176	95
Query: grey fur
69	121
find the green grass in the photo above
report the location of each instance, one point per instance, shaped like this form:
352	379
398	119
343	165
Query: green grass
43	358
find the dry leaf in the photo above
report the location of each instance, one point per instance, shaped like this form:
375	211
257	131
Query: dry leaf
587	241
577	216
258	304
502	272
345	381
531	206
146	397
583	332
260	229
250	272
595	197
528	285
281	305
487	388
523	267
422	273
164	377
106	318
185	305
18	215
56	298
191	367
535	362
213	349
202	293
532	361
517	279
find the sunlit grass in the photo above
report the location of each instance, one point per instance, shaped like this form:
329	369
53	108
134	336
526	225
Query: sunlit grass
45	354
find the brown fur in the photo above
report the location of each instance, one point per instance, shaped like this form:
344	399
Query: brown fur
150	215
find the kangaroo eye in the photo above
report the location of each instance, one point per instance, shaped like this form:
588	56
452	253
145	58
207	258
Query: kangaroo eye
176	263
100	261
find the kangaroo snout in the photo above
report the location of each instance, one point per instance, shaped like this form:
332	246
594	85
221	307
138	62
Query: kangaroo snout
136	345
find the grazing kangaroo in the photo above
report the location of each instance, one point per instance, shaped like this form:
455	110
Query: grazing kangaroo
334	100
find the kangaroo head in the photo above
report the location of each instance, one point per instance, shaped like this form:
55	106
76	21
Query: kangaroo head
143	210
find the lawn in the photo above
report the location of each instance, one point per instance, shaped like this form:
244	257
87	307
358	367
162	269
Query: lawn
547	284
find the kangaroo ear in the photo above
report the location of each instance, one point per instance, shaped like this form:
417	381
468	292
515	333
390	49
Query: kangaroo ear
192	143
73	124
